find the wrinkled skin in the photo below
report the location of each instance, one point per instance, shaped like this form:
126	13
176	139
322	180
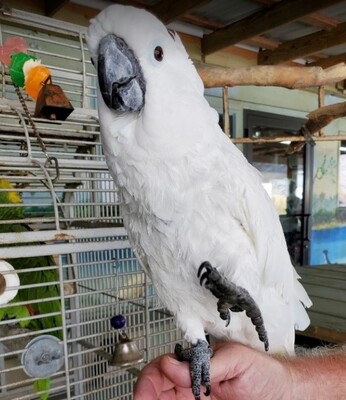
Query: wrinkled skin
237	373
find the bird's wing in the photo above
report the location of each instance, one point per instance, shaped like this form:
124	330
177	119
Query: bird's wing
259	218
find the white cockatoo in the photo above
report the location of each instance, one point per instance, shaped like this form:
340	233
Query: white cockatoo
197	215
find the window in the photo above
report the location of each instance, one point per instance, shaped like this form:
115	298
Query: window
286	177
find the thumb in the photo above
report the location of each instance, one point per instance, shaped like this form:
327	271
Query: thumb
176	371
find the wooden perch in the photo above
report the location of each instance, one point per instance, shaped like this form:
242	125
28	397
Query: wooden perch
323	116
317	120
290	77
288	138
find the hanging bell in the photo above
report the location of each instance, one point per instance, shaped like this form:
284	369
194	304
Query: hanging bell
52	103
126	353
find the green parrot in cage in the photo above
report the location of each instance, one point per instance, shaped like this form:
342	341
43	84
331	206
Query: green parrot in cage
40	275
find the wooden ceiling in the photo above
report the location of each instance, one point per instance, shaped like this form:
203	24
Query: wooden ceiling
312	32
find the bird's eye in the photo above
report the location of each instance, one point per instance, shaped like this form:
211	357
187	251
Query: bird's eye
158	53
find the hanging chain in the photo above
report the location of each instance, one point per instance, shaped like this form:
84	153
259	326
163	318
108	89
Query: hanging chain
31	122
50	160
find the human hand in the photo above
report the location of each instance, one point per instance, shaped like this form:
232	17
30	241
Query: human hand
237	373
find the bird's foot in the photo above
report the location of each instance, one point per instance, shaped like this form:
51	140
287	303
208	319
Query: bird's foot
199	358
232	297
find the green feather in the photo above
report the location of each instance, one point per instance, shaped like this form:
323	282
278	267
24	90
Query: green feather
48	290
42	386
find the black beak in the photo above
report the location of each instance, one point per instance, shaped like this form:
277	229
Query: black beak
120	75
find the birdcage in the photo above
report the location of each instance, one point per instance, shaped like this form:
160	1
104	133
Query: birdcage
61	230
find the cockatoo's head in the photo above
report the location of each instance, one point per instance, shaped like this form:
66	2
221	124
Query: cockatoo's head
135	56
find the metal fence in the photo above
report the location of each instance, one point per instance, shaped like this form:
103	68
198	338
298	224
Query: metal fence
61	230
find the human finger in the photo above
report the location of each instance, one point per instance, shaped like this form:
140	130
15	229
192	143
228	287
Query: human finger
176	371
152	382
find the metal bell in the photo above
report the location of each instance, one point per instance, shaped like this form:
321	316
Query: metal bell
126	352
52	103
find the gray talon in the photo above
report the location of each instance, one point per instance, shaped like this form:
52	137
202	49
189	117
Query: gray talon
205	265
232	297
199	359
204	277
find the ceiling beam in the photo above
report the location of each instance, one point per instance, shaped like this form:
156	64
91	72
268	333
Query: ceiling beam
262	21
51	7
330	61
320	20
303	46
262	42
257	41
168	11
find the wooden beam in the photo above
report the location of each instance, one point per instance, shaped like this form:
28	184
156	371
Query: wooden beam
262	21
202	22
225	104
288	138
256	41
317	120
260	41
168	11
323	116
321	103
279	75
304	46
321	21
328	62
51	7
326	334
315	19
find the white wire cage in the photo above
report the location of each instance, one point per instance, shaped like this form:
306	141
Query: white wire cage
61	230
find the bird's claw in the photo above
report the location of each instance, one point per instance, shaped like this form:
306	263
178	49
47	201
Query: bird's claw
208	269
199	358
232	297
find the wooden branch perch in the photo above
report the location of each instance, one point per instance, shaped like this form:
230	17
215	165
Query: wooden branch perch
288	138
290	77
317	119
323	116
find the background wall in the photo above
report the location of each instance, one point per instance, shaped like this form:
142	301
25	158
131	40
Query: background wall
328	220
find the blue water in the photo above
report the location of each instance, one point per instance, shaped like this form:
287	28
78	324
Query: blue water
333	240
